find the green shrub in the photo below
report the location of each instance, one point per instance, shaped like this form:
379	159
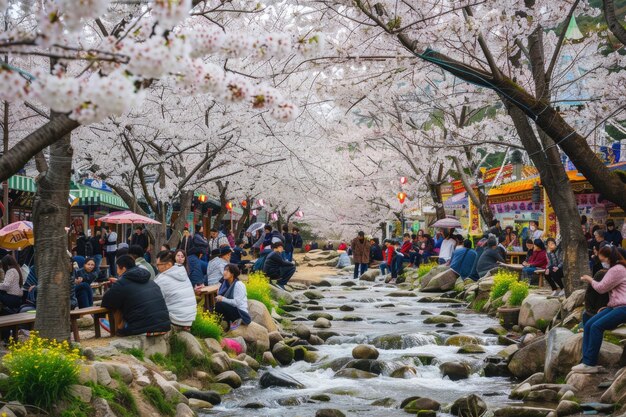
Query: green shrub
136	352
423	269
41	370
155	396
179	362
519	291
478	305
258	288
207	325
120	400
77	408
501	283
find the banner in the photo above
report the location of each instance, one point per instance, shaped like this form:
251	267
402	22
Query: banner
475	228
549	218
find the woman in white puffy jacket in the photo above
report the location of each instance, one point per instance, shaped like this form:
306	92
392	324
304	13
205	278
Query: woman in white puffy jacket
177	290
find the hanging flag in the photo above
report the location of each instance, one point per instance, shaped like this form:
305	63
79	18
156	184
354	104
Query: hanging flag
475	228
549	217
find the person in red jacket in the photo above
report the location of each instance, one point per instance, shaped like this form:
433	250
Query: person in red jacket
388	256
405	250
537	260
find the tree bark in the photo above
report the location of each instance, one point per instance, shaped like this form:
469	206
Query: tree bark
186	198
31	145
612	21
434	187
223	189
478	198
50	214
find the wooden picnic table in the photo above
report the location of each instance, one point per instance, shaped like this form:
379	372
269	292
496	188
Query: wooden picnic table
515	256
513	267
14	321
209	293
98	313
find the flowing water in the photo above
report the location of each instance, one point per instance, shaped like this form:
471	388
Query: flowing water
382	315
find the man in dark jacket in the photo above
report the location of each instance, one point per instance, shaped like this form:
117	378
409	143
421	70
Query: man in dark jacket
139	238
612	235
297	239
81	243
489	259
376	252
138	300
276	267
200	242
288	253
196	267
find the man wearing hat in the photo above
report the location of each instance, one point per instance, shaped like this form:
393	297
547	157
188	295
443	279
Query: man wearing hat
276	267
215	270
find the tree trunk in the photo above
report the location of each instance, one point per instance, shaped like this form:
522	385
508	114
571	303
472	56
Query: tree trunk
561	195
50	215
223	189
613	22
186	198
478	198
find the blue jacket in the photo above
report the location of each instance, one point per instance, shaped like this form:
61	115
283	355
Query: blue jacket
462	261
196	276
235	257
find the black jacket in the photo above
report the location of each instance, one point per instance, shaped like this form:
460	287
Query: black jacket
594	301
376	253
140	301
297	241
139	239
288	242
273	263
80	245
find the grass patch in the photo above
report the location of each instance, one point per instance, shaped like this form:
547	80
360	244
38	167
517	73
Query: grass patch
155	396
542	324
77	408
478	305
502	281
258	288
41	371
179	362
120	400
519	291
424	269
136	352
207	325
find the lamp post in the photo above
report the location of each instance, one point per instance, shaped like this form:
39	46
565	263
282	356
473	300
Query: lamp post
401	197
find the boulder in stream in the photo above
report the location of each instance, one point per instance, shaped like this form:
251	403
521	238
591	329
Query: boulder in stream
370	275
529	359
329	412
365	352
441	320
461	340
415	406
208	396
469	406
260	315
313	295
315	316
273	378
522	412
538	311
322	323
441	282
353	373
367	365
283	354
455	370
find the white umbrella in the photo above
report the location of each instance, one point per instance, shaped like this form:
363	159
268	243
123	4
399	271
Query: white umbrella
447	223
255	226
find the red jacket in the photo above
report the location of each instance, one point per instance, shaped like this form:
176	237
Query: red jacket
388	255
406	248
538	259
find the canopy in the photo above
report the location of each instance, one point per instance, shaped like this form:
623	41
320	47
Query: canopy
17	236
447	223
126	217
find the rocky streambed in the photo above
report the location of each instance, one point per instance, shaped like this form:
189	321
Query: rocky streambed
437	351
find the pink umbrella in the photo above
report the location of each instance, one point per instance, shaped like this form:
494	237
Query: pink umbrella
447	223
126	217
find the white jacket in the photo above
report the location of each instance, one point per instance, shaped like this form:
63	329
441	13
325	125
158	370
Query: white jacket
179	296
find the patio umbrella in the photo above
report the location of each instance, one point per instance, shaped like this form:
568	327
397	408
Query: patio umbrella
255	226
447	223
126	217
17	236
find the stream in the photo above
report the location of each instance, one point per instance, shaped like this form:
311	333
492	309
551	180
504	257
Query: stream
382	315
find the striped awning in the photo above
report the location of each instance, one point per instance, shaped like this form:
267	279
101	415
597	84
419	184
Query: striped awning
87	196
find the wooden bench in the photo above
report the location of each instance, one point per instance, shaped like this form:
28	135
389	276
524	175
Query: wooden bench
541	273
14	321
98	313
101	287
209	293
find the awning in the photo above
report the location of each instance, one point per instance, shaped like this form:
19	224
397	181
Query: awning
457	201
87	196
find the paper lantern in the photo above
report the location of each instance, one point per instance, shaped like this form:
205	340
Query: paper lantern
403	180
261	202
244	204
274	216
202	198
401	197
229	206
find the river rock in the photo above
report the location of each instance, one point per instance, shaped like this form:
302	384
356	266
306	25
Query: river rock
455	370
441	320
353	373
470	406
529	359
566	408
365	352
80	392
281	295
229	378
303	332
192	345
313	295
419	404
405	372
315	340
322	323
284	354
402	294
582	382
346	308
213	345
570	354
538	311
268	359
260	315
469	349
441	282
183	410
367	365
389	341
461	340
485	284
541	396
315	316
274	378
555	341
521	412
121	369
326	334
329	412
220	362
617	390
211	397
196	404
255	335
275	337
496	330
370	275
242	369
575	300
